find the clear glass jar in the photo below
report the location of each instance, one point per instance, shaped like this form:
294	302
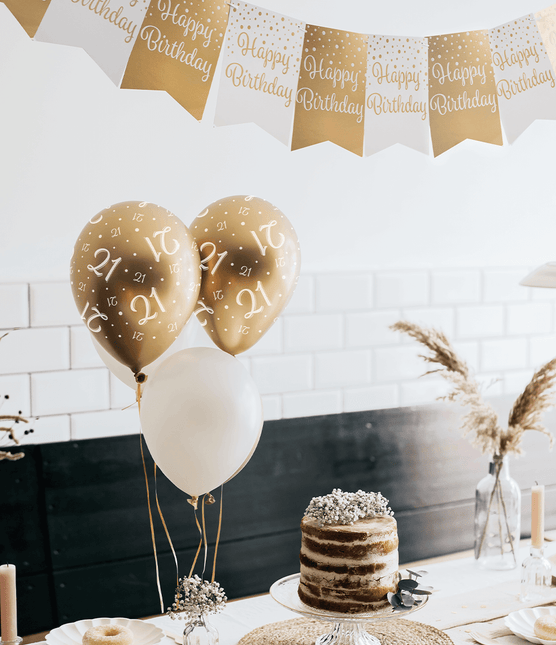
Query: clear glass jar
199	631
497	517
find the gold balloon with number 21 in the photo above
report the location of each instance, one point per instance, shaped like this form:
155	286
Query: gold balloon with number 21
250	260
135	278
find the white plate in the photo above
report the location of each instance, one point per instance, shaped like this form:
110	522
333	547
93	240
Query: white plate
521	623
72	633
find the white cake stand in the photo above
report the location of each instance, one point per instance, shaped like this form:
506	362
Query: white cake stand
349	629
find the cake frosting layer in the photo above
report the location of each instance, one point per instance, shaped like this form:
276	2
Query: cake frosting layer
348	568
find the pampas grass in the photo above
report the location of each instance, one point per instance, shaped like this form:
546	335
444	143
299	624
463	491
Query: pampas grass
480	422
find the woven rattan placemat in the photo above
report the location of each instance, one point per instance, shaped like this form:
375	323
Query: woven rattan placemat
301	631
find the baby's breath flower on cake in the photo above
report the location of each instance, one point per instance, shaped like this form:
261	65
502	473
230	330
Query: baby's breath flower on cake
346	508
197	597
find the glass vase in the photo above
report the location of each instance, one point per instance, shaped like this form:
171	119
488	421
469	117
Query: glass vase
497	517
199	631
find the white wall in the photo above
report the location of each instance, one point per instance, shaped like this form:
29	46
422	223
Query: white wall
443	241
71	144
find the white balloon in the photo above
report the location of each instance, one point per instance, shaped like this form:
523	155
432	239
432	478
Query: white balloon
202	417
125	375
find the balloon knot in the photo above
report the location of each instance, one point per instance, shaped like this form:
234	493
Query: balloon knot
141	377
193	501
209	499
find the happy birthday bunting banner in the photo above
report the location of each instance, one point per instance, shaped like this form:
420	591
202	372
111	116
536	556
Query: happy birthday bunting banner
462	91
105	29
524	75
397	94
331	90
28	13
260	70
177	50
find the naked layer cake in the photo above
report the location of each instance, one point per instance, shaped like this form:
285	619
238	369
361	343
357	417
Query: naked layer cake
349	552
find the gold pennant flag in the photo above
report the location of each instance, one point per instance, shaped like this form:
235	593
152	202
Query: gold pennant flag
28	13
177	50
463	102
330	99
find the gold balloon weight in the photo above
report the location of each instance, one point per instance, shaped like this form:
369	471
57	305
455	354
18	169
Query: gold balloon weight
250	263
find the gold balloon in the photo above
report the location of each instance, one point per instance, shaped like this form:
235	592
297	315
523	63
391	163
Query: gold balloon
250	262
135	278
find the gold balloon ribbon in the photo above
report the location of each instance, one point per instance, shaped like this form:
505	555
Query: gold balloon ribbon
166	529
218	534
204	534
194	504
141	378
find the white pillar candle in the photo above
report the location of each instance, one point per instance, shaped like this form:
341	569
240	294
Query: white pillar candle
8	600
537	517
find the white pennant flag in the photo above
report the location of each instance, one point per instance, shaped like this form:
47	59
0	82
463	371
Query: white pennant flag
260	70
396	106
525	79
105	29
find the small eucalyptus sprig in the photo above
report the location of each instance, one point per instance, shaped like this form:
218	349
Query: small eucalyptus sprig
195	597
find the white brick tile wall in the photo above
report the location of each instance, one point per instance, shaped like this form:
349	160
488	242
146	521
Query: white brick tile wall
515	382
402	289
271	342
52	304
456	287
14	306
311	404
504	354
373	397
476	321
69	391
541	350
82	350
277	374
421	391
330	351
35	350
303	298
121	395
397	363
340	369
542	293
469	351
109	423
530	318
502	285
17	388
491	384
50	429
441	318
316	332
371	328
343	292
272	407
